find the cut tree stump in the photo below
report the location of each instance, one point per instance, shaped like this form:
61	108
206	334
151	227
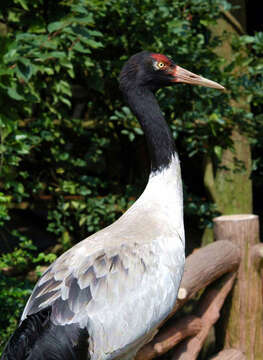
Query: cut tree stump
243	328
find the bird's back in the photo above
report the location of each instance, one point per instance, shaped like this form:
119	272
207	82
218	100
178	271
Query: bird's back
115	287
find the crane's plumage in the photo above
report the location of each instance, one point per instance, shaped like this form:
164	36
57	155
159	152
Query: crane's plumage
105	297
122	281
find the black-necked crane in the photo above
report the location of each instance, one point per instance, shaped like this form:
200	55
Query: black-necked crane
105	297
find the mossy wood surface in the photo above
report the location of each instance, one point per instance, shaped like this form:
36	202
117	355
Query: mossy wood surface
229	184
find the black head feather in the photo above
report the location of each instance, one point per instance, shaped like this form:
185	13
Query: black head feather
141	71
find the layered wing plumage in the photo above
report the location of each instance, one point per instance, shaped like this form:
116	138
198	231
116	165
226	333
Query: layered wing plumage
76	283
118	294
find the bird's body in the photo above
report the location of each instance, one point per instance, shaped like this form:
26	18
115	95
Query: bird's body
122	281
105	297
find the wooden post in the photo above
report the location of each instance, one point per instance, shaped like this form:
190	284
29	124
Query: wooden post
244	326
230	354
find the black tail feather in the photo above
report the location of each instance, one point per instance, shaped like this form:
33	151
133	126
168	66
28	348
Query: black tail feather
38	339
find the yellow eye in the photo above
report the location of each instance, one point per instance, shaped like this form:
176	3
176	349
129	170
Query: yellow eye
160	64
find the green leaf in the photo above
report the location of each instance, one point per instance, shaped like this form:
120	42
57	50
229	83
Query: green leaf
12	92
218	151
22	3
55	26
93	44
23	70
80	48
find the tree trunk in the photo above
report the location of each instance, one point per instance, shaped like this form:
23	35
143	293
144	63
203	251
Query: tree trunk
229	185
243	328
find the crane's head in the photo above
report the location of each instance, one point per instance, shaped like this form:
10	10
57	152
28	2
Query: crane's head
156	71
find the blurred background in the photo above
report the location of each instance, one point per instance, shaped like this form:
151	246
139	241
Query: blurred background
73	157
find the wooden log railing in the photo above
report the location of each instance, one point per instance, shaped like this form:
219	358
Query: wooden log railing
202	268
239	258
209	312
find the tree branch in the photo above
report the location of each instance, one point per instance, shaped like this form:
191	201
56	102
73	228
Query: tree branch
202	267
169	337
205	266
209	312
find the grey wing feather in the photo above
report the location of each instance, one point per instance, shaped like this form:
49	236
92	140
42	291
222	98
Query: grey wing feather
119	295
70	287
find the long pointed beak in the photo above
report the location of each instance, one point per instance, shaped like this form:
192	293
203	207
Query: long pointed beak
184	76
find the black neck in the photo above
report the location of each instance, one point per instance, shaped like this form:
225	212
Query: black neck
158	136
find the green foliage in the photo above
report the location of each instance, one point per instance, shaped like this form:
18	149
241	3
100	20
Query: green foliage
13	296
22	254
4	201
88	214
15	292
67	137
254	91
199	208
